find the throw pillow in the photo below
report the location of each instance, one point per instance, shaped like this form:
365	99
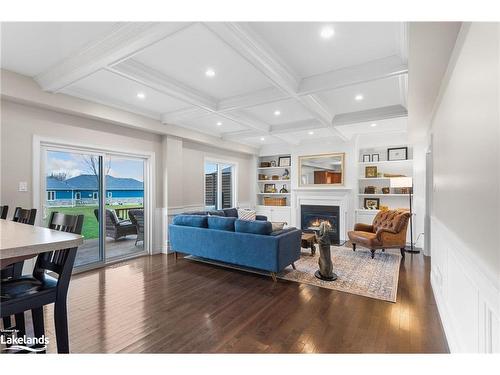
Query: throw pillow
246	214
278	226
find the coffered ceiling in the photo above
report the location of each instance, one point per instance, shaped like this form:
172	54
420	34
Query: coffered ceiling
254	83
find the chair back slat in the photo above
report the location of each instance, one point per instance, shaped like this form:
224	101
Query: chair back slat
24	216
3	212
60	261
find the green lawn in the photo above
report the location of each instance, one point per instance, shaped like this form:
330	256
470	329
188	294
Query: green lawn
90	228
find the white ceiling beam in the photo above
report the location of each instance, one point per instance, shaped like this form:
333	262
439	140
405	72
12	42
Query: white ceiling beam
375	114
125	40
144	75
370	71
246	121
248	44
235	135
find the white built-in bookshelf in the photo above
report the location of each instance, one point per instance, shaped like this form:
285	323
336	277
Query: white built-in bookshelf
280	177
385	168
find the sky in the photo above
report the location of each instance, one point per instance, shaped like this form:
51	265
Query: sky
74	164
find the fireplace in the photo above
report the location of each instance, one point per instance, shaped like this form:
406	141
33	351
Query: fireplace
311	216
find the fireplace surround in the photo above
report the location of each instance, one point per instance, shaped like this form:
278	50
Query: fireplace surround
311	216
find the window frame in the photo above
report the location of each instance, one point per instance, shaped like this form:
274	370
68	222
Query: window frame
234	181
49	193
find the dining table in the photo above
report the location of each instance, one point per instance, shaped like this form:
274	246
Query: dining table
19	242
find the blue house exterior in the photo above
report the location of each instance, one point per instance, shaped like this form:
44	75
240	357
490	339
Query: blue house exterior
83	190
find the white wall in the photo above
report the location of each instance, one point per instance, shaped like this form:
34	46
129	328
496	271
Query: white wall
186	173
465	223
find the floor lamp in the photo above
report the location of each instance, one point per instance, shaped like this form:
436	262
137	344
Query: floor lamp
406	182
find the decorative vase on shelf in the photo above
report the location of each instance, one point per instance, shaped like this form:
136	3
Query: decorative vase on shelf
283	189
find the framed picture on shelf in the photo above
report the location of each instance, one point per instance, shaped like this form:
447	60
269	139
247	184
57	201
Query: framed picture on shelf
366	158
371	172
269	188
375	157
372	203
397	153
284	161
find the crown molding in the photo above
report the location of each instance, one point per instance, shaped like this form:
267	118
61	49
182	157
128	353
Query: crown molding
267	95
125	40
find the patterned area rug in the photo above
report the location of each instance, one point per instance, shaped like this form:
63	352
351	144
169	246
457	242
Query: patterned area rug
357	272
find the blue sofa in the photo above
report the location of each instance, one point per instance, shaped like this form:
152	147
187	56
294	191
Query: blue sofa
239	242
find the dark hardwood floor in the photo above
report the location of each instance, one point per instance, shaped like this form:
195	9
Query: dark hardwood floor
155	304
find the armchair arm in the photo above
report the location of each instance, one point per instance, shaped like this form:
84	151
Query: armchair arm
391	237
363	227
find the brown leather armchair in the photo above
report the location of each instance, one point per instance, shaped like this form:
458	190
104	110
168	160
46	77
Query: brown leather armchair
388	231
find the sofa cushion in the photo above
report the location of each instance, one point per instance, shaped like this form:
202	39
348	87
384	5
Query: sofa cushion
246	214
216	213
231	212
255	227
221	223
191	221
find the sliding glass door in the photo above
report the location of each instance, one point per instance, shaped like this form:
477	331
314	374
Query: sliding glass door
72	185
219	185
106	188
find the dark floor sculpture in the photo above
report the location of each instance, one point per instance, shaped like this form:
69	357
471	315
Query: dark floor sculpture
325	271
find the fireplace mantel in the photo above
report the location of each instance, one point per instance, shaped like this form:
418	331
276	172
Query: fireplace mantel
321	188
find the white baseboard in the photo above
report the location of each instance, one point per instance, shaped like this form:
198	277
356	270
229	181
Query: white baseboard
467	294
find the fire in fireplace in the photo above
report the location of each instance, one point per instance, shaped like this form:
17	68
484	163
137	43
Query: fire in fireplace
312	216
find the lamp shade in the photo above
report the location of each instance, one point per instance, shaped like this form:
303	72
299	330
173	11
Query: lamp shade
401	182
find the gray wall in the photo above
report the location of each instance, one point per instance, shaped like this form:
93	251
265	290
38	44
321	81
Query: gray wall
20	123
466	147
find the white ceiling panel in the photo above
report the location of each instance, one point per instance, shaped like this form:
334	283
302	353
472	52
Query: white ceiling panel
31	48
307	135
380	93
210	124
189	53
307	53
289	111
106	86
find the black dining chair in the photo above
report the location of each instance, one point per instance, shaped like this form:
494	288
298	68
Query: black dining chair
40	289
25	216
3	212
14	271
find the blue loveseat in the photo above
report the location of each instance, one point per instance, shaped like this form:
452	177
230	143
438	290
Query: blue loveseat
239	242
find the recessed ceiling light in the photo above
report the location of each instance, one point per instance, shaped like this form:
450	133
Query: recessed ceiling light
262	139
141	95
210	72
373	125
358	97
219	123
277	112
327	32
310	132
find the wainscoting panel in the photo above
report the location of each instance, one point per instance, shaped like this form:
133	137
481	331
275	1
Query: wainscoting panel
467	295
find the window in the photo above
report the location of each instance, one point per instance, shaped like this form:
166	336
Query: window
78	196
219	185
95	195
51	195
